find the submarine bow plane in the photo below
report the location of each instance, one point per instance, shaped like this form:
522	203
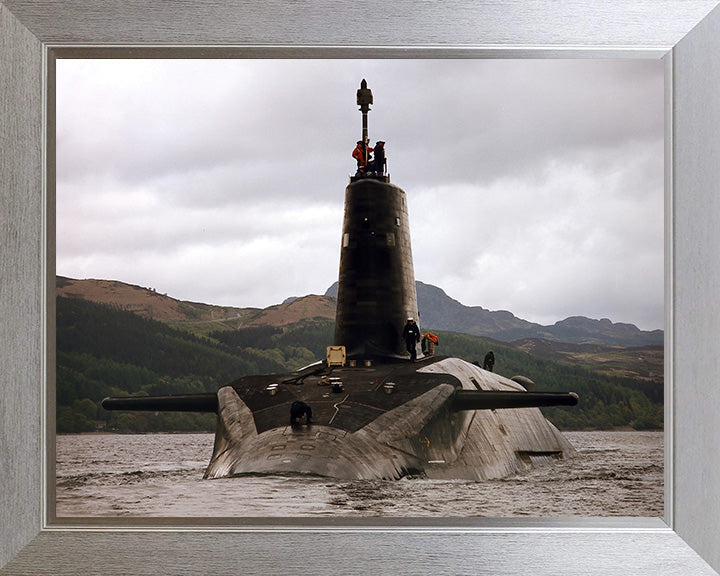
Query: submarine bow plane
366	411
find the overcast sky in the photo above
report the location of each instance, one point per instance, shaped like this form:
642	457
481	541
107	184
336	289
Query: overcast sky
534	186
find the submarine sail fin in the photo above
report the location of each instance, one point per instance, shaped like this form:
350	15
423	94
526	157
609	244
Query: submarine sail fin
493	400
175	403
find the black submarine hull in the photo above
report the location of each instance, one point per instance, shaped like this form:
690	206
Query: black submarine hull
375	414
440	417
390	420
378	416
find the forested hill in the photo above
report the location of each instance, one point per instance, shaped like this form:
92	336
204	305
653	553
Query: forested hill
106	351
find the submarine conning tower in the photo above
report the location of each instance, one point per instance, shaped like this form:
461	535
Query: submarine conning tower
376	283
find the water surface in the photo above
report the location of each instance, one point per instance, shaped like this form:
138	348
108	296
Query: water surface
160	475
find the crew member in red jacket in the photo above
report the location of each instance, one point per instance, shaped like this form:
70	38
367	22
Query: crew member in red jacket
361	153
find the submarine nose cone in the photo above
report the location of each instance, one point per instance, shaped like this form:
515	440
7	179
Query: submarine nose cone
376	284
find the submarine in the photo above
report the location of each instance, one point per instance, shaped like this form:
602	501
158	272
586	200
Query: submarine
375	407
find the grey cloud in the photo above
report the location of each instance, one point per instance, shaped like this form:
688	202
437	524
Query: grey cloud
228	152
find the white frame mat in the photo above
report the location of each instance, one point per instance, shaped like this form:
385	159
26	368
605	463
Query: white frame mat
684	33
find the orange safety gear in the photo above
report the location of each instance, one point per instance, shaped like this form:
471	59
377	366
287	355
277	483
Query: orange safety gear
359	154
430	336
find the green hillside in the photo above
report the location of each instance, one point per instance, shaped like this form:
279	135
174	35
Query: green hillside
105	351
605	401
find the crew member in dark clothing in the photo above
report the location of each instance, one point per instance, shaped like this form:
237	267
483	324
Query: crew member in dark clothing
411	335
298	409
489	361
378	165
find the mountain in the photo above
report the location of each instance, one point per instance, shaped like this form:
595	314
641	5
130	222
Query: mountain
194	316
145	302
438	311
311	308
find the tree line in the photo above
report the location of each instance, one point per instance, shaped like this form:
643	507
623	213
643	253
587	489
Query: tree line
105	351
605	401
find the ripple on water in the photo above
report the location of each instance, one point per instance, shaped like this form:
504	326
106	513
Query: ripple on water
615	474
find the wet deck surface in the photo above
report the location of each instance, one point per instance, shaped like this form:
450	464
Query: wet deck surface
362	399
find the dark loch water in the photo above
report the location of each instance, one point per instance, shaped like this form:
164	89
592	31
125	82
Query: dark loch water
160	475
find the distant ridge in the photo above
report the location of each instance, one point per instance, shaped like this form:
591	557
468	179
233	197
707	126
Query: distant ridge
441	312
148	303
145	302
438	311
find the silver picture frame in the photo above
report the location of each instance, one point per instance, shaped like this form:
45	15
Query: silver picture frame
684	33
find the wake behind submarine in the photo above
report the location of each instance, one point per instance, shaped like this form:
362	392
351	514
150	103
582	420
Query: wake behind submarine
366	411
